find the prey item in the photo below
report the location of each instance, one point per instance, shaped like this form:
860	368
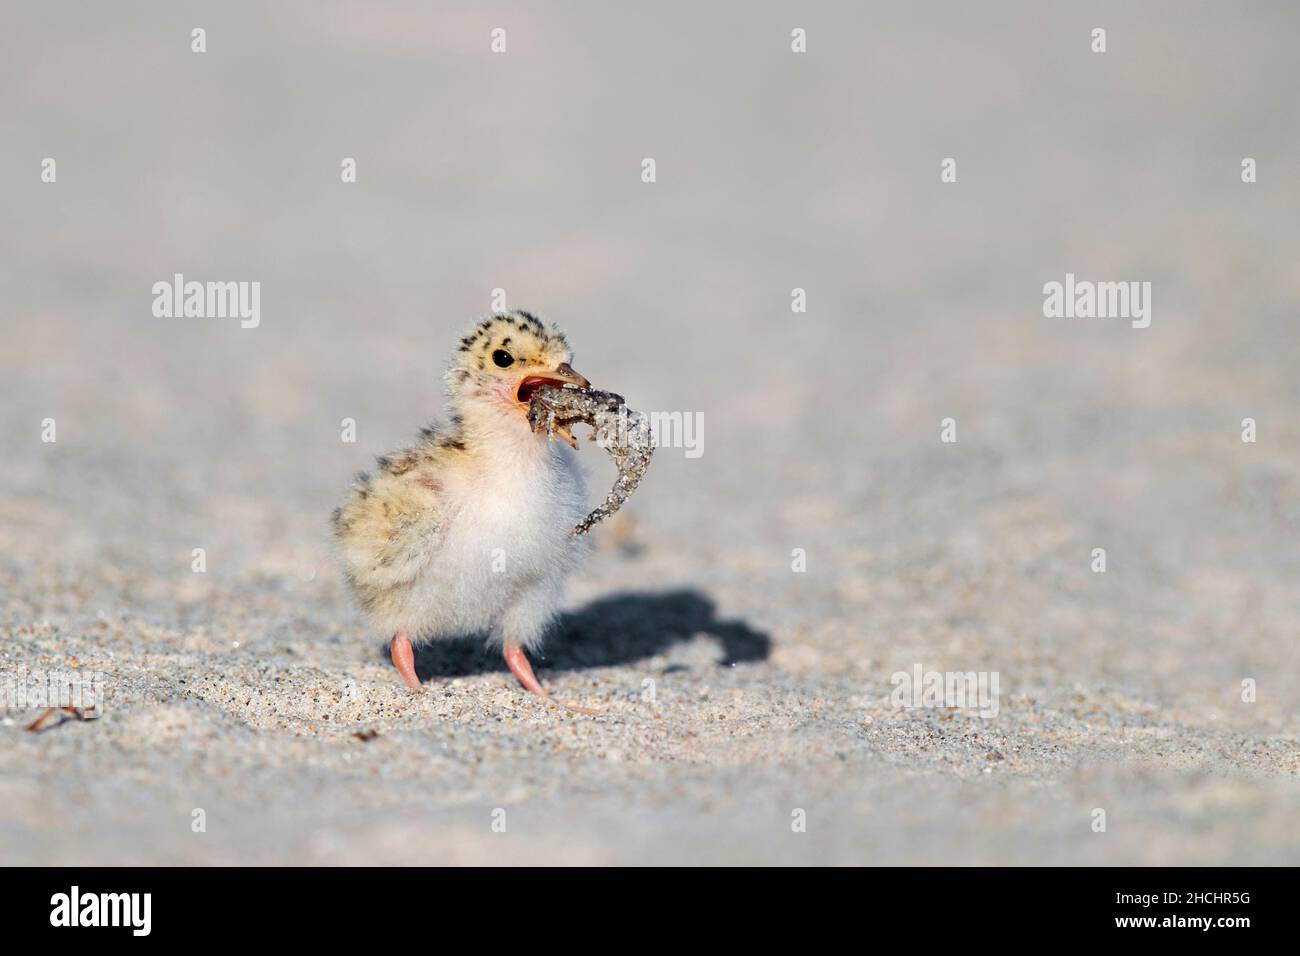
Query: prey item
622	432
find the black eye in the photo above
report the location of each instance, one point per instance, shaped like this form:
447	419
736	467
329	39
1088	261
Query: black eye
503	358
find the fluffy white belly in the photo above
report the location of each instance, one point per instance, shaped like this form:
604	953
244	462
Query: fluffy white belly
506	538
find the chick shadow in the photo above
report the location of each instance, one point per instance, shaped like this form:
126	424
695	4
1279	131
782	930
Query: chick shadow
606	633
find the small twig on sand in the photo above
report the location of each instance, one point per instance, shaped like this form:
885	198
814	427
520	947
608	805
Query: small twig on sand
44	721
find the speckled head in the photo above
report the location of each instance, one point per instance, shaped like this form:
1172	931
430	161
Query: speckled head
505	357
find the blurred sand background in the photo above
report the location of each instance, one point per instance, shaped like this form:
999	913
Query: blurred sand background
253	691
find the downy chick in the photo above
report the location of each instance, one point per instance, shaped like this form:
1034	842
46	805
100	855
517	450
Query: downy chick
467	531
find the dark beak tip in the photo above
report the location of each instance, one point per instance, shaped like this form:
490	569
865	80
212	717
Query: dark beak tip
565	368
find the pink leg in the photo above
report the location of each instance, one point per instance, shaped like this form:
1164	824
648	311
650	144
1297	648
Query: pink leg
517	661
404	661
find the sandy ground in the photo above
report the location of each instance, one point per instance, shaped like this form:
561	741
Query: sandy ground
734	691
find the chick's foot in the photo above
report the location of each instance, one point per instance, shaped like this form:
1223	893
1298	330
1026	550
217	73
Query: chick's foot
404	661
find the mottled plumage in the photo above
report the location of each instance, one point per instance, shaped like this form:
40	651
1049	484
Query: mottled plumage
467	530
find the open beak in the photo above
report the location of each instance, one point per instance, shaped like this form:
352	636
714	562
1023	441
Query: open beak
563	375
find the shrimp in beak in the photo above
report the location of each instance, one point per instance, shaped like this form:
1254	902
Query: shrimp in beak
561	376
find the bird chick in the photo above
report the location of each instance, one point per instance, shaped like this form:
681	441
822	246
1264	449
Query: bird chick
467	531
